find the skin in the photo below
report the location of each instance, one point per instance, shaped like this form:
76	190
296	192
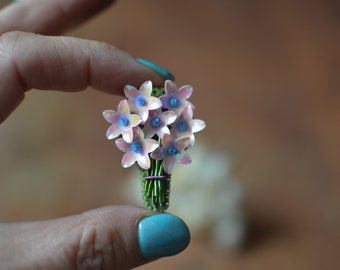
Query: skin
302	237
30	59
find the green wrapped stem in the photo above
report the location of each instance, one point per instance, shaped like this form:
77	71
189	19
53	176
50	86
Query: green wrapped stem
155	187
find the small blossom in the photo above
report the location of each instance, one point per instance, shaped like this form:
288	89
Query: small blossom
172	151
186	126
158	122
176	99
138	150
122	122
141	101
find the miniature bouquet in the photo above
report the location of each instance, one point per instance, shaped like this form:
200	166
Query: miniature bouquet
154	127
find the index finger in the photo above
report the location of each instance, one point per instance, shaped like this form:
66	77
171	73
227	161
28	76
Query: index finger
63	63
48	17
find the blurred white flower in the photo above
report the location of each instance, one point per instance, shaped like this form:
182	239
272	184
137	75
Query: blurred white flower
206	196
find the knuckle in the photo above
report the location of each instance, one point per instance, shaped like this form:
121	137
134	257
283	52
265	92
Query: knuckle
98	247
8	42
9	56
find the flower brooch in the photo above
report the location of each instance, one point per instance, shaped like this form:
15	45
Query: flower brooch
154	127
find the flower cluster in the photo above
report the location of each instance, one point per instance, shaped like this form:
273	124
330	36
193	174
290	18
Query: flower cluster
157	125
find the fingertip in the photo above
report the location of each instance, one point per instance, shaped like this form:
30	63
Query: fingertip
142	236
66	64
112	69
164	73
162	235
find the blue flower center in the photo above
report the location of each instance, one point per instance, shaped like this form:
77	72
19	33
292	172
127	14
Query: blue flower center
182	126
156	122
174	102
172	151
137	147
141	101
124	121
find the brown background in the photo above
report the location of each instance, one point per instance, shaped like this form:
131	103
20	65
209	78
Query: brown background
266	79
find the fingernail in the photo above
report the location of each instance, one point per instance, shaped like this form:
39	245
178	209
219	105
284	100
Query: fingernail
162	235
161	71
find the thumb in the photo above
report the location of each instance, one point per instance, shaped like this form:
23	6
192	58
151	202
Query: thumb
114	237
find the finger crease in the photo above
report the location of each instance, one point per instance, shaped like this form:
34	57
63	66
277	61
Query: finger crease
88	70
93	252
5	53
20	78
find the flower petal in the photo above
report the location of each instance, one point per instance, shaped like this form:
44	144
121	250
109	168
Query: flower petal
113	131
135	120
128	160
131	92
187	112
169	164
146	88
183	143
170	86
150	145
166	140
186	159
148	131
169	117
197	125
111	116
127	135
162	131
122	145
144	114
154	103
185	91
144	162
139	134
192	140
158	154
123	107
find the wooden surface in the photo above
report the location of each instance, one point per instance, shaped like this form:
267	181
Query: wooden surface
266	76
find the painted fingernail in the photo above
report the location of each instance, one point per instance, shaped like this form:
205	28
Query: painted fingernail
161	71
162	235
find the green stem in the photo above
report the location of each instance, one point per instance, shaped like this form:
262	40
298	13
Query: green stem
155	192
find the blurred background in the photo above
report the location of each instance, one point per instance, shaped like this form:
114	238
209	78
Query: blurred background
263	191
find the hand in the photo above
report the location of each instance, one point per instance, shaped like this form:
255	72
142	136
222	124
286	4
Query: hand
63	63
115	237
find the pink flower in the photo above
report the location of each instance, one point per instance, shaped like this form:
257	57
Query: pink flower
158	122
137	151
122	122
176	99
186	126
141	101
172	151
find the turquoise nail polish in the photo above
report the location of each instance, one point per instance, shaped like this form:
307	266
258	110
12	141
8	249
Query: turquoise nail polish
161	71
162	235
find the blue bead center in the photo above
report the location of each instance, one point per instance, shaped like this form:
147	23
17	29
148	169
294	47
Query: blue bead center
174	102
172	151
141	101
156	122
182	126
124	121
137	148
